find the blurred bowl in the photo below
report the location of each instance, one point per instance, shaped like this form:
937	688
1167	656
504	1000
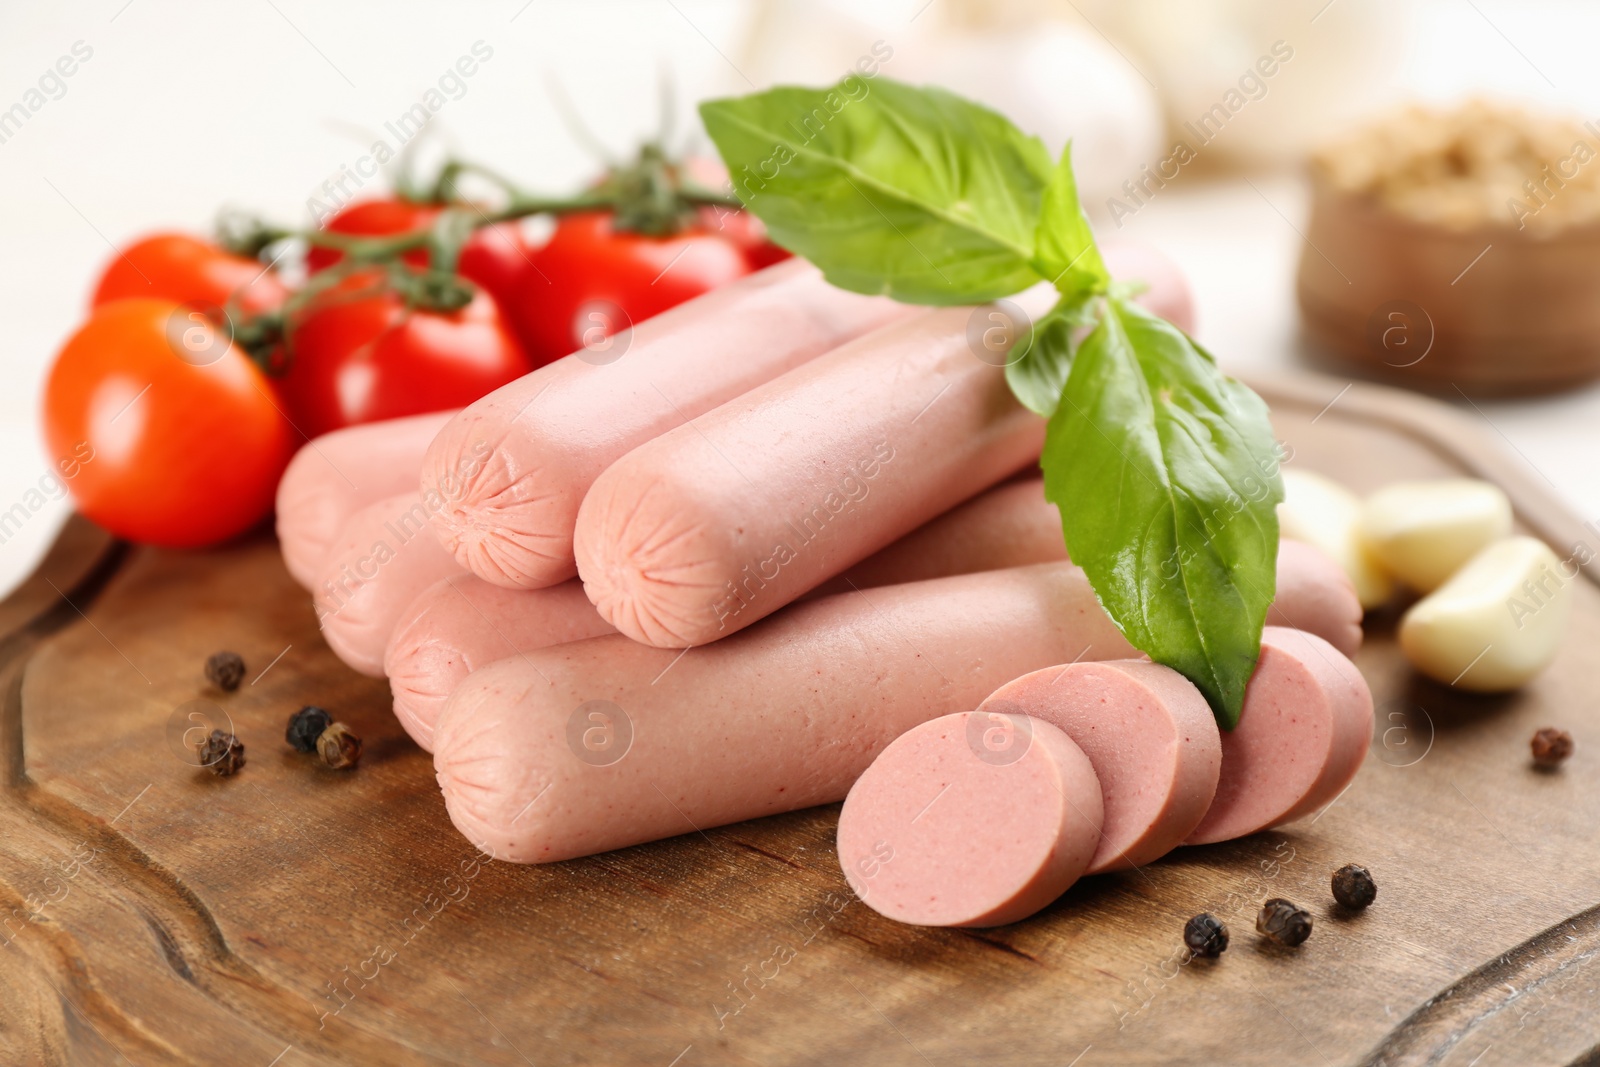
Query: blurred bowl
1486	309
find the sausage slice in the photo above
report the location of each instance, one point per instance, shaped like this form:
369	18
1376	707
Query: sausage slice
1304	728
1152	740
972	819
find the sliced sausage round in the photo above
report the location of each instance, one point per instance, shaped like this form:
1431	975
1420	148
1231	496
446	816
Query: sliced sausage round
1151	737
1304	728
972	819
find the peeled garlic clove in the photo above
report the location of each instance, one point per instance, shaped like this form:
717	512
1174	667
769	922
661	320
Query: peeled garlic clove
1497	622
1423	532
1323	513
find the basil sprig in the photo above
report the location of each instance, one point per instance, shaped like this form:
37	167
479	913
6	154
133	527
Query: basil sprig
1064	248
1163	468
913	193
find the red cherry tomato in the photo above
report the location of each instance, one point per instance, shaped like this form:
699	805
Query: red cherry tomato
495	256
162	430
746	231
359	358
382	217
176	266
590	280
740	227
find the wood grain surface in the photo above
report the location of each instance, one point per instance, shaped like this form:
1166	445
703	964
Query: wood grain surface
152	913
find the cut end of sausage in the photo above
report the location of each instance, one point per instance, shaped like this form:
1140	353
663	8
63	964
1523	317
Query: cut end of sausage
461	623
383	558
647	566
424	667
1151	738
309	514
498	796
506	522
1302	734
971	820
330	478
1316	595
353	639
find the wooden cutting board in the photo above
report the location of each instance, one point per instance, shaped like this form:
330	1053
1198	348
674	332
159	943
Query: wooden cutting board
154	914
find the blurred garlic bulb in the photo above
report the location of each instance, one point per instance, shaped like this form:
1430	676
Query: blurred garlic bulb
1055	80
812	42
1344	57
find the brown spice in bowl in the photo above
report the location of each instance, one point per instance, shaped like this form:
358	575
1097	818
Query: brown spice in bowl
1479	164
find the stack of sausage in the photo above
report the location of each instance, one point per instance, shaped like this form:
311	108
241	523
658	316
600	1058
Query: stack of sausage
710	572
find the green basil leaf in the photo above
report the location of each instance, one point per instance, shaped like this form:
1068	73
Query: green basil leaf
1039	363
1166	475
911	192
1064	248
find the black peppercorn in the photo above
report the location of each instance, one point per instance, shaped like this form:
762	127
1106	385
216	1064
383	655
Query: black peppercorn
225	670
1353	886
1206	936
1550	746
338	747
221	753
1284	922
305	726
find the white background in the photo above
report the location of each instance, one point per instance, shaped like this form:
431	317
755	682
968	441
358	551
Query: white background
186	107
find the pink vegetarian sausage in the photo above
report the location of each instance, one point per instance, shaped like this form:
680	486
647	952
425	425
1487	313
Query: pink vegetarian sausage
1011	525
384	556
333	475
709	527
1152	740
599	744
464	622
965	822
1305	726
550	433
461	623
1315	594
1168	294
